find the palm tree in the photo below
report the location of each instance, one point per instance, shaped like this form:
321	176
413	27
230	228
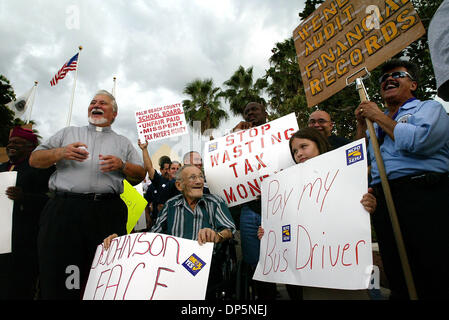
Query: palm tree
241	90
6	115
205	105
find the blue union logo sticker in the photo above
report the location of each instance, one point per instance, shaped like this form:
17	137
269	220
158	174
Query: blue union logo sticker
354	154
286	234
194	264
213	146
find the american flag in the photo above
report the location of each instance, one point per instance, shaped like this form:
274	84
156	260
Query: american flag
68	66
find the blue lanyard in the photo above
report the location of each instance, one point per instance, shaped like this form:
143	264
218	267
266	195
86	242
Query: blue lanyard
380	133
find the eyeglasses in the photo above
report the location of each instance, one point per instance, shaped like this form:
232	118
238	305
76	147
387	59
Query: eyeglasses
395	75
193	177
319	121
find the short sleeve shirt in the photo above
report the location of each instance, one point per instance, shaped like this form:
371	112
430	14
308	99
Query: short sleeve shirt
86	176
421	142
179	220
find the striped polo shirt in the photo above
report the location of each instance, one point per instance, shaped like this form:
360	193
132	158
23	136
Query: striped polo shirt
179	220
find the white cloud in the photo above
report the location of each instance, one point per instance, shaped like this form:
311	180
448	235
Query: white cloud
154	48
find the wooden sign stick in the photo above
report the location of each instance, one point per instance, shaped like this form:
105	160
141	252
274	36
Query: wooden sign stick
388	198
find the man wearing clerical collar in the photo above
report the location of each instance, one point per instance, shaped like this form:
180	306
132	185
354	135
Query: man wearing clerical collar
91	164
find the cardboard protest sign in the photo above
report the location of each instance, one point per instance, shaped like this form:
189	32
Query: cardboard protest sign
135	202
150	266
236	164
342	37
7	179
158	123
317	232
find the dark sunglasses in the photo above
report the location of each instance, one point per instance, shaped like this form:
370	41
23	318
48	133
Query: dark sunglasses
395	75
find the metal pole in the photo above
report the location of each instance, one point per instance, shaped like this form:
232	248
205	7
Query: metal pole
113	87
31	98
69	118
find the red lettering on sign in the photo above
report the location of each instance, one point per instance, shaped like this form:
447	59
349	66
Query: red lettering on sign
132	275
279	200
157	283
312	186
272	260
306	247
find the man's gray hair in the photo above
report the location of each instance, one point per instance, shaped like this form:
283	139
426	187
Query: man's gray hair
106	93
178	175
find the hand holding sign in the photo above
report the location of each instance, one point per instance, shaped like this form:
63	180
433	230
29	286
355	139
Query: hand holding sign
149	266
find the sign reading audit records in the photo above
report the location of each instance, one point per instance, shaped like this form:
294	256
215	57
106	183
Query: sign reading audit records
158	123
341	38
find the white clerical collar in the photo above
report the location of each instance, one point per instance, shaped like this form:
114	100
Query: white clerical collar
99	129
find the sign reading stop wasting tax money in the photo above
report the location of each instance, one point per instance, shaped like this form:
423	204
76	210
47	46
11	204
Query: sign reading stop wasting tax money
158	123
150	266
236	164
343	39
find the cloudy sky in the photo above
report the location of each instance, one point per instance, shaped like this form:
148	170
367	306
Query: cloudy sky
154	48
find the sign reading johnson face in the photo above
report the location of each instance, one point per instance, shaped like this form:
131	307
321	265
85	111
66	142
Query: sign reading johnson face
150	266
343	38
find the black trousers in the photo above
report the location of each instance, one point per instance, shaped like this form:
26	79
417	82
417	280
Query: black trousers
18	274
70	231
422	207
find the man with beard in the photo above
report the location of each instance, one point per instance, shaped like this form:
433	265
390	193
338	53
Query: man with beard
19	269
414	143
91	163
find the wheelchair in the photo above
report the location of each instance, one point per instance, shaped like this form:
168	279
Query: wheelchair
223	272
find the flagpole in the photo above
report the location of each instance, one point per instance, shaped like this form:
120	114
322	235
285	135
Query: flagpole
74	86
29	98
113	87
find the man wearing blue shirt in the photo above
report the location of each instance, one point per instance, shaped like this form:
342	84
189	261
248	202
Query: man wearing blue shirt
413	137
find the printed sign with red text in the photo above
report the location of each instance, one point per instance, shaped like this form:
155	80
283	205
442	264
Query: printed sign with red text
159	123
